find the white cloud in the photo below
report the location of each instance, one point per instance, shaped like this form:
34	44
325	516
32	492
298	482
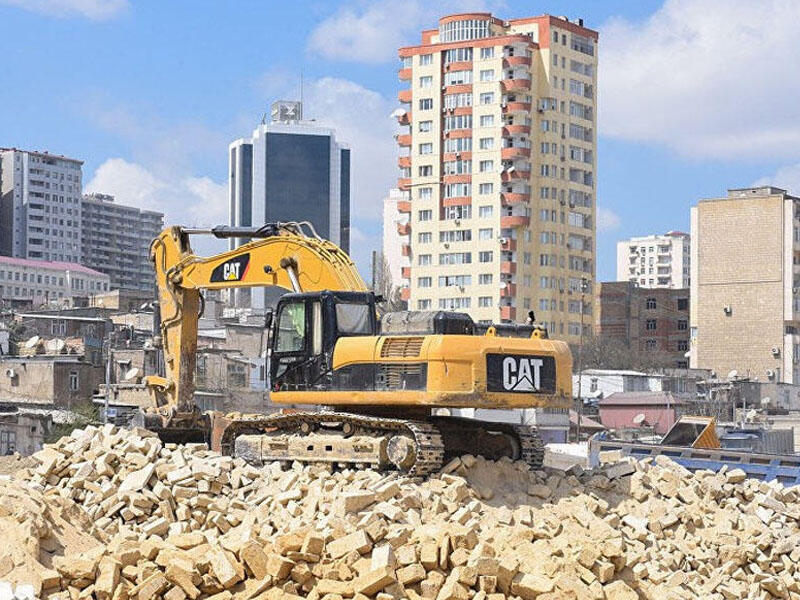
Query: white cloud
96	10
706	78
607	219
372	32
787	177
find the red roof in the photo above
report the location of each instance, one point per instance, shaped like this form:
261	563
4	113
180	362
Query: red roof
46	264
640	399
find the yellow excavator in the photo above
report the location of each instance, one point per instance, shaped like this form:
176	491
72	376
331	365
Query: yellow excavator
379	389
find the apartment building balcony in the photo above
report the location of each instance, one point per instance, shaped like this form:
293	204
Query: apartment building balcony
404	162
459	88
404	139
460	110
509	130
457	201
516	61
508	313
404	95
508	267
457	178
404	74
515	174
514	221
515	152
508	245
509	198
404	183
405	249
458	133
509	291
456	156
404	229
405	294
405	272
515	84
404	119
404	206
459	65
512	107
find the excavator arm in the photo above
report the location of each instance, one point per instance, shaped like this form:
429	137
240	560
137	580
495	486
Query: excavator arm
287	255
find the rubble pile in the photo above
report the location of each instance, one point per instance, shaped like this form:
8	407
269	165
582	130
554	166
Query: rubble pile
179	522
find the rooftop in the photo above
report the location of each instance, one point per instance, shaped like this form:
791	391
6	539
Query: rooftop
640	399
46	264
40	153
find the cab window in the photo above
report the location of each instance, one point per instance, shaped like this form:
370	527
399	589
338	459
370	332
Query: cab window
353	319
291	328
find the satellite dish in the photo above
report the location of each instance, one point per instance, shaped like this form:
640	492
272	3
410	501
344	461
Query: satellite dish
639	419
398	112
32	342
733	374
132	374
55	345
766	401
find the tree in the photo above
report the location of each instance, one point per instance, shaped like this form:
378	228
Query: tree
383	286
609	353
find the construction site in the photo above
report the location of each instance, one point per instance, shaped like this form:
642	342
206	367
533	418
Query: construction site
381	470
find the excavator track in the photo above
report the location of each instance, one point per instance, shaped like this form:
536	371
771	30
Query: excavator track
416	447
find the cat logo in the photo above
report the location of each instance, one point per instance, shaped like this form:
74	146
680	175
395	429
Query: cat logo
520	373
234	269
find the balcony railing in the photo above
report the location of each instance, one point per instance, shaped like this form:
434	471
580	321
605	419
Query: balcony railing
405	249
405	294
404	119
515	221
404	95
508	313
404	74
516	129
404	206
509	291
515	84
404	162
515	174
404	228
508	267
508	245
404	139
514	198
404	183
515	152
405	272
515	61
511	107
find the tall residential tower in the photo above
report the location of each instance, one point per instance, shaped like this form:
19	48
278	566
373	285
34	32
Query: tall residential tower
655	261
498	166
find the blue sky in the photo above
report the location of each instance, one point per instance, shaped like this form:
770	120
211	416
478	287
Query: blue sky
694	95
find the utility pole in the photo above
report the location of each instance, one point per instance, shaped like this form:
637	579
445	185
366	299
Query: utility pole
584	285
109	355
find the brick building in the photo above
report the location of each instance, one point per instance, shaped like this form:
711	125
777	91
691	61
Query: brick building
646	320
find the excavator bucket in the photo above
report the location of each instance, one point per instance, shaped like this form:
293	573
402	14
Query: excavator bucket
694	432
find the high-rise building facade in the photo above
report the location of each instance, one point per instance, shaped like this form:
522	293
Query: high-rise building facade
47	283
115	240
498	164
395	227
655	261
289	170
745	285
40	206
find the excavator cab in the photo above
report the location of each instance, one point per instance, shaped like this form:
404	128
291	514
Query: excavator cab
304	331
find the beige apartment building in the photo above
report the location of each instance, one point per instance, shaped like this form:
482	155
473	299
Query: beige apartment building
745	284
655	261
498	166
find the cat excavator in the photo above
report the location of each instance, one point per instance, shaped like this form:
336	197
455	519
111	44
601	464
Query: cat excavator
379	392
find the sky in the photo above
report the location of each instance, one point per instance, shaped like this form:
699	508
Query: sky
694	96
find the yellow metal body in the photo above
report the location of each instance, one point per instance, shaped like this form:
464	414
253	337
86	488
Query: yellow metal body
456	373
456	364
693	431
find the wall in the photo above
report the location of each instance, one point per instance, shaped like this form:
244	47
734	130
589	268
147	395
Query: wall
616	417
46	380
23	432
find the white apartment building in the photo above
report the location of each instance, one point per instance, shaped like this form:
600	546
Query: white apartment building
395	227
40	206
498	165
655	261
48	282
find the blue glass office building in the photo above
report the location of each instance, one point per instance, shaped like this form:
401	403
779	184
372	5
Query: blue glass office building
290	170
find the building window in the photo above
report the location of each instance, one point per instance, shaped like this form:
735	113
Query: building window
485	301
683	304
425	126
487	98
423	304
486	166
486	143
426	148
425	193
425	215
486	188
683	325
73	381
425	59
487	120
426	81
424	260
424	282
487	52
683	345
487	75
650	344
425	238
426	170
485	211
454	303
650	304
484	234
484	279
651	324
425	103
485	256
